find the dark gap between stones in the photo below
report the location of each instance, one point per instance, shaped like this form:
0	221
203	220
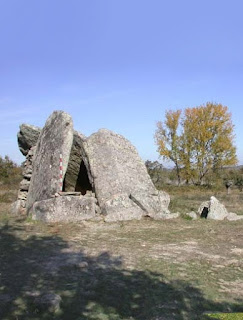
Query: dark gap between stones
204	213
83	184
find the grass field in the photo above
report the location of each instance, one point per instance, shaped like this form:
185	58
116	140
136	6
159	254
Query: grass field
138	270
188	198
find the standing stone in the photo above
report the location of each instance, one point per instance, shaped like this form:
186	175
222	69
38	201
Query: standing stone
122	185
215	209
27	137
55	138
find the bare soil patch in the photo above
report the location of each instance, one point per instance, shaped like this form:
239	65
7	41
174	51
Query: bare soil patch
174	269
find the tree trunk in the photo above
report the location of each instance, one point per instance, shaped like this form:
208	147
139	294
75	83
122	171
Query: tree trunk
178	175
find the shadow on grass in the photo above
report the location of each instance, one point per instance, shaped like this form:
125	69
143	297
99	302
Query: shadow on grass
91	287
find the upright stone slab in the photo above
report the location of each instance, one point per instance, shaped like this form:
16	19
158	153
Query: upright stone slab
122	185
55	138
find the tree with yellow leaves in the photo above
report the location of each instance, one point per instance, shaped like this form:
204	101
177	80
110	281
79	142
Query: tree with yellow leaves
205	143
168	140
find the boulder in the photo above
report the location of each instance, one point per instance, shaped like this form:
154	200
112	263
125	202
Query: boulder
24	185
191	215
27	137
65	209
212	209
234	217
55	138
120	179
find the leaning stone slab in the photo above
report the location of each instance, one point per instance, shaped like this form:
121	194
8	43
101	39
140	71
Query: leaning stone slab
75	161
120	179
66	209
27	137
55	138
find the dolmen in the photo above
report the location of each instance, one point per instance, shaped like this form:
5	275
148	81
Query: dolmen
70	177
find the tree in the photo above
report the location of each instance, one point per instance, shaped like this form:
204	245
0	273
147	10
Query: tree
156	172
168	140
10	172
239	183
205	143
208	130
6	166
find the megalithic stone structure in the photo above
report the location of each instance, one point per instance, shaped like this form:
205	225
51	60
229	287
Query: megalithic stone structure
55	138
122	185
104	177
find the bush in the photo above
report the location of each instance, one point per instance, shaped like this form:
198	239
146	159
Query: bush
10	172
239	183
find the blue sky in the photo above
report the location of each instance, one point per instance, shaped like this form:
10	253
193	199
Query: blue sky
117	64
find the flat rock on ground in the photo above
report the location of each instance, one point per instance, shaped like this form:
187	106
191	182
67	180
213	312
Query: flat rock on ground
65	209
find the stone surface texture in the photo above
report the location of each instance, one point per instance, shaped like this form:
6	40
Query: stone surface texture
192	215
105	168
74	161
65	209
217	211
55	138
19	206
120	178
204	204
233	216
27	137
120	207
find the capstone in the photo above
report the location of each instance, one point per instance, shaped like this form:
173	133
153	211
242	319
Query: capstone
27	137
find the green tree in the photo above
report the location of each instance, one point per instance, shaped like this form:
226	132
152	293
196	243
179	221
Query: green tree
10	172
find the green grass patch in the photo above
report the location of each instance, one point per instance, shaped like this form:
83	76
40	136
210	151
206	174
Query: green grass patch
224	316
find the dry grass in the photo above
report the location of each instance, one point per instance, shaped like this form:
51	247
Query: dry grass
137	270
185	199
